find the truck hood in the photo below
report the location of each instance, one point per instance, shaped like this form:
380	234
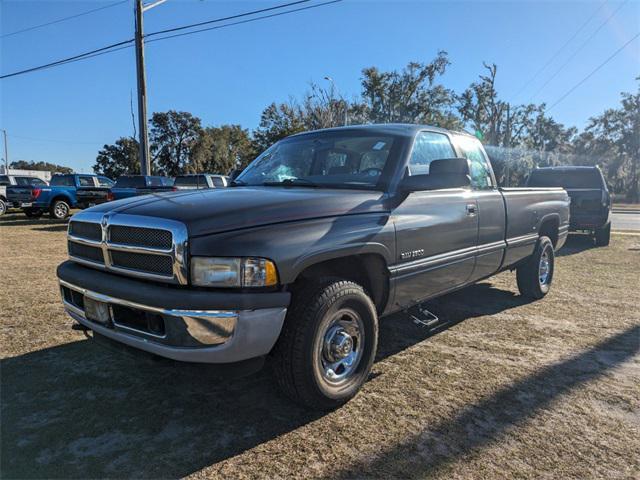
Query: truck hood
224	209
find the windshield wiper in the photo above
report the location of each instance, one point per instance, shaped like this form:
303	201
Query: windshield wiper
302	182
238	183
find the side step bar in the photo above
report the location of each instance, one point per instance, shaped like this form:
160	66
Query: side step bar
422	317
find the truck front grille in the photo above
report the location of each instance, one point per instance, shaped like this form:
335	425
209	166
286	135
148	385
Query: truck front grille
156	264
93	254
143	237
135	246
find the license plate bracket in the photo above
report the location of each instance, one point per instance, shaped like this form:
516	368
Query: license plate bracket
97	311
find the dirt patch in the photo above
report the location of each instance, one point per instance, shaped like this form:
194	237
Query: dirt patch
502	388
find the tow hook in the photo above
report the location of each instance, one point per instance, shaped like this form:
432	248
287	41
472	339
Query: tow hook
79	327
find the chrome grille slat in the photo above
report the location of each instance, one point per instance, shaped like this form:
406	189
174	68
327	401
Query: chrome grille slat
132	245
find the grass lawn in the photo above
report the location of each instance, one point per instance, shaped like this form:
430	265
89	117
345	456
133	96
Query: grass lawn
503	388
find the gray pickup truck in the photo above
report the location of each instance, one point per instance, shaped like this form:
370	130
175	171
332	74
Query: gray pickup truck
320	236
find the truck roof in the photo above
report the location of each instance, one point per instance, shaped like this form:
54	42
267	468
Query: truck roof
397	129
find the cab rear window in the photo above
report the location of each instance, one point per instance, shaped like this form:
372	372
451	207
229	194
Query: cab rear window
191	181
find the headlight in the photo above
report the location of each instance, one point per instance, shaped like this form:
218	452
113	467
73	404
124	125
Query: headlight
233	272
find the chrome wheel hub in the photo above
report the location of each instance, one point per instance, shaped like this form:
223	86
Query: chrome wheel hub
342	346
61	210
544	269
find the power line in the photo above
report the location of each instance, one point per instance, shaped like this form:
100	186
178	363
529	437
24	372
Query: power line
555	55
128	43
263	17
611	57
223	19
584	44
63	19
80	56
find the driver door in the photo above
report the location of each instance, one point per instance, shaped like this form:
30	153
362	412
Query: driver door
436	230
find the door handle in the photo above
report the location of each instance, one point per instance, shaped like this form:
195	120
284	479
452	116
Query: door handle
471	209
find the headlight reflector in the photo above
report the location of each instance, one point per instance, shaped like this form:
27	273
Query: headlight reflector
233	272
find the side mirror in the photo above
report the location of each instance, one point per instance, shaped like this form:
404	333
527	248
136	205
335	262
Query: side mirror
445	173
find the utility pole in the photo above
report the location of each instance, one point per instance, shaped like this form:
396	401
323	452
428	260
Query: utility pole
6	153
145	163
145	158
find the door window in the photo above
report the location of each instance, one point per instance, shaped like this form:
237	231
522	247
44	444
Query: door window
479	169
429	146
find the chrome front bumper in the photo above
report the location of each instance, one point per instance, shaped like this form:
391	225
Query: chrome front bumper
208	336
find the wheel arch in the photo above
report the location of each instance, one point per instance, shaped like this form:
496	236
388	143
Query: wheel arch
63	197
367	267
549	227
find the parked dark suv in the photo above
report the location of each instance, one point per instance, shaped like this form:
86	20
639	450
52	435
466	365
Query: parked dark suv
590	199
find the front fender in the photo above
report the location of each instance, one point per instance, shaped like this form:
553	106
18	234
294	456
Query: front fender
361	248
297	245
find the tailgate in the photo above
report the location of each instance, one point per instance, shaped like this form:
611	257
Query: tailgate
585	200
92	195
20	193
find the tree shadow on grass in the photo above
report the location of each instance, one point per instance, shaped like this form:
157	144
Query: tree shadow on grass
483	423
22	221
79	411
51	228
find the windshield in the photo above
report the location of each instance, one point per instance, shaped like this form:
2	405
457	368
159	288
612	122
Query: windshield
566	179
334	160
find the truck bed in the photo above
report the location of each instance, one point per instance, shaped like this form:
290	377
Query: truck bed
527	211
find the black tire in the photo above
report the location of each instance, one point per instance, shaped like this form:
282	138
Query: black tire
59	210
33	212
309	336
3	207
531	281
603	235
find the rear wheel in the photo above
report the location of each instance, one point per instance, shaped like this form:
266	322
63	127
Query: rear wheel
3	207
33	212
603	235
59	210
327	345
536	274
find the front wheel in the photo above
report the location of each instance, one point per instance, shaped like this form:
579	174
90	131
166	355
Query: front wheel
3	207
59	210
327	345
603	235
536	274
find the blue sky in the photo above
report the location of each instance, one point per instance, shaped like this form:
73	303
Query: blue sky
65	114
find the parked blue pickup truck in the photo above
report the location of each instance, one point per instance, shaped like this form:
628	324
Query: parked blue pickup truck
135	185
63	193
